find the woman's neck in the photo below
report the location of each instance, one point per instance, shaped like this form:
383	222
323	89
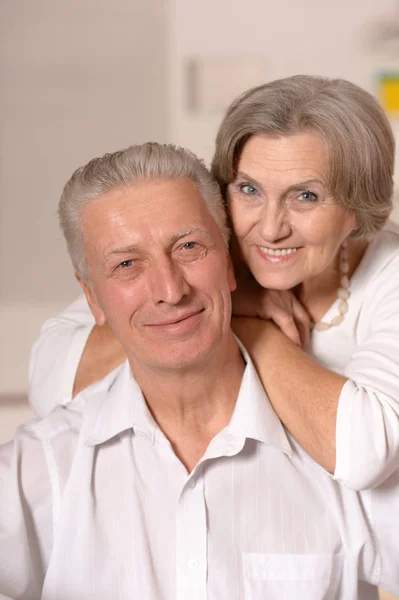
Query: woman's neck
318	293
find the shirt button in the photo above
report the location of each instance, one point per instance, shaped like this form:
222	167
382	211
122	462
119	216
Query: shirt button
193	483
193	563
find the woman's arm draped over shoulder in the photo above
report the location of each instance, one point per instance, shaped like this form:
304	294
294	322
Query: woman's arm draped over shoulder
303	394
70	354
350	424
55	357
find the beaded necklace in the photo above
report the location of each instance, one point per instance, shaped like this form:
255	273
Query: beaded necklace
343	292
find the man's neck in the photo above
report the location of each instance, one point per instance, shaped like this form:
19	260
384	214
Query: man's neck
193	405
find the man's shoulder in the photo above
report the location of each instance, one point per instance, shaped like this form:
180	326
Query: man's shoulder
41	453
63	421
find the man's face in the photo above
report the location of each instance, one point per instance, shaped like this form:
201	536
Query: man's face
160	273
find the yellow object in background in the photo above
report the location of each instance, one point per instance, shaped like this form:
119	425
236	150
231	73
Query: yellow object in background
389	93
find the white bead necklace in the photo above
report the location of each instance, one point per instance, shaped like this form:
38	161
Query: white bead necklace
343	292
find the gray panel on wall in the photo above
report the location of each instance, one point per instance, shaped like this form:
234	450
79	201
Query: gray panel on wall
77	79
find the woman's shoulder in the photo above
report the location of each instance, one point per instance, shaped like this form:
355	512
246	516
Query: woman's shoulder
390	233
381	257
386	242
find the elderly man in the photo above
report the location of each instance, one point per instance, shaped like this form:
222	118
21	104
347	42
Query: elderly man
173	478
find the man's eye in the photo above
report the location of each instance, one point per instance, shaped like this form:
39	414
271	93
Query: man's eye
190	246
248	189
308	196
125	264
190	251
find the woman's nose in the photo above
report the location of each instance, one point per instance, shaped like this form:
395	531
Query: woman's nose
274	223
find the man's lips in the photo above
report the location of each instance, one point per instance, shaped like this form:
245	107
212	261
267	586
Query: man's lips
175	319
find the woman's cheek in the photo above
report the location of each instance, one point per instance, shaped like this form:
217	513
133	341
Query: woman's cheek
239	221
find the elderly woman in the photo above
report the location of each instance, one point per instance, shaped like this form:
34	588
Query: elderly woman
305	166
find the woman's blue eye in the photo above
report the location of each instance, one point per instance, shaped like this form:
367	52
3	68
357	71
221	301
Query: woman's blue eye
308	196
248	189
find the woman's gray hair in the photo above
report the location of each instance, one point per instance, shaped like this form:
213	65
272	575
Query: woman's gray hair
122	169
350	123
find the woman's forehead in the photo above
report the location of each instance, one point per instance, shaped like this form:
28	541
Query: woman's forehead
302	154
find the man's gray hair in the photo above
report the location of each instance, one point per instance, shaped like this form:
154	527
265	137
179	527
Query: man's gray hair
122	169
348	120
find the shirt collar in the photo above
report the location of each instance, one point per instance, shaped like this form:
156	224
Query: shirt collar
253	415
116	404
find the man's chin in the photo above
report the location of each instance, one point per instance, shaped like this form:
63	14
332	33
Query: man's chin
179	356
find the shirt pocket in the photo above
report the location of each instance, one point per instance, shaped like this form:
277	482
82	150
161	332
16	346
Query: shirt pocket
292	576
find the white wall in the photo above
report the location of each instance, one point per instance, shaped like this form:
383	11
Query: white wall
83	78
307	36
310	36
78	79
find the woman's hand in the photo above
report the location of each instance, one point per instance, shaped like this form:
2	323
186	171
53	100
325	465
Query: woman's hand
280	306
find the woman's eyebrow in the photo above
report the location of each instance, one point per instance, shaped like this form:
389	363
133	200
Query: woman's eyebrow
293	187
243	175
303	184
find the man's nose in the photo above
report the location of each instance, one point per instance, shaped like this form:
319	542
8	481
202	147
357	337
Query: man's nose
274	223
167	282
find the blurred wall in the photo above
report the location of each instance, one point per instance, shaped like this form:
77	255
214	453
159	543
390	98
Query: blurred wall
312	37
317	38
78	79
83	78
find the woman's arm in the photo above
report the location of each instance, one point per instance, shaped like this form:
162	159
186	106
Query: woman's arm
70	353
350	424
303	393
280	306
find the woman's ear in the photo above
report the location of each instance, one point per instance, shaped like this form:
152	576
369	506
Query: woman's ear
92	301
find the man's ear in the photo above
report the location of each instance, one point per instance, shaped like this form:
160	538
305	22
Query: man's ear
230	273
92	301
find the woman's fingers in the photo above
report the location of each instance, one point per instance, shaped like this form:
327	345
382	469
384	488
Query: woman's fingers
286	322
280	306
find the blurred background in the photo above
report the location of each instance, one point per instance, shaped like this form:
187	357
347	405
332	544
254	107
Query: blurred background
83	78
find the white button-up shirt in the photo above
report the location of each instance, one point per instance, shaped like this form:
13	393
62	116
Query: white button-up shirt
95	505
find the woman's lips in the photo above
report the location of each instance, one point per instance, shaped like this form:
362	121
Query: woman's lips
278	255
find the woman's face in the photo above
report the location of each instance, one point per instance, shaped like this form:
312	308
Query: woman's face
288	226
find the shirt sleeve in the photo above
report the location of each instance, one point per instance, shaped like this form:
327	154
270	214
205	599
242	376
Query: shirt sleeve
367	432
55	357
385	529
25	518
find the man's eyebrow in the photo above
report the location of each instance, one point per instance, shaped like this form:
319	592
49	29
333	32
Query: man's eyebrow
180	234
132	248
125	250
